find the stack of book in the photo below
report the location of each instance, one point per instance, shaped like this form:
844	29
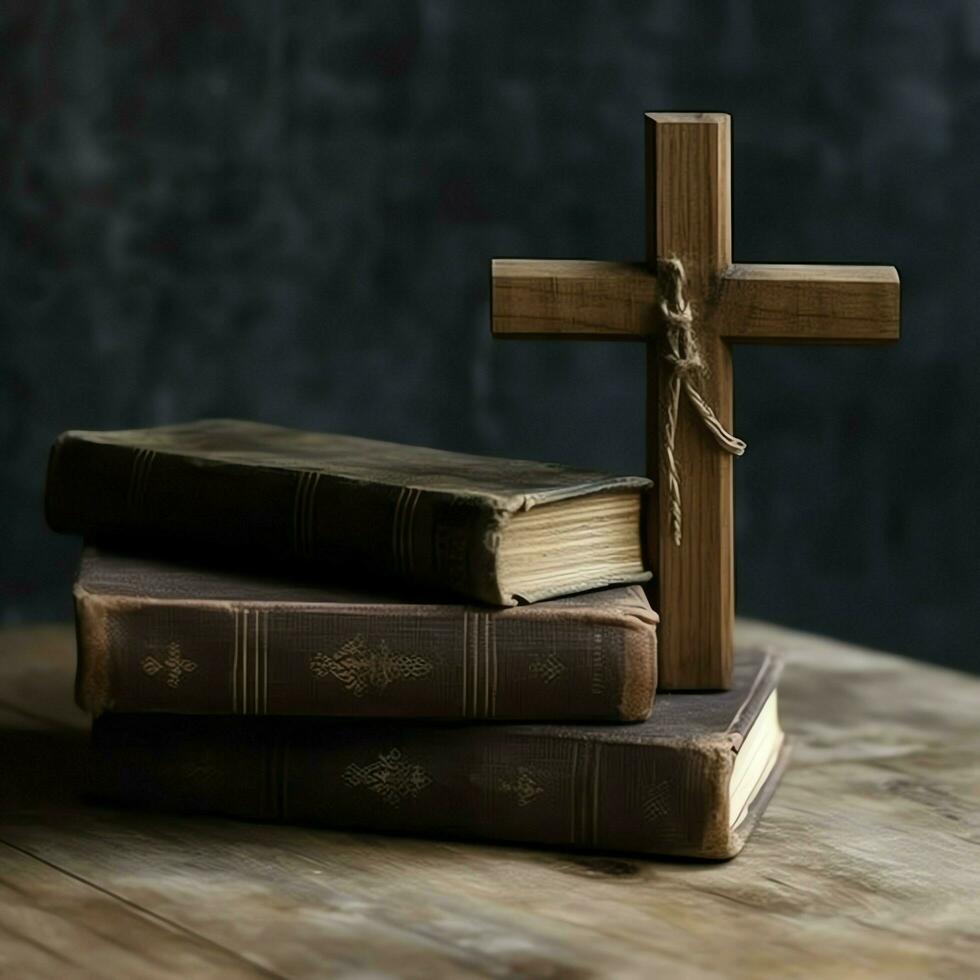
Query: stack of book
284	625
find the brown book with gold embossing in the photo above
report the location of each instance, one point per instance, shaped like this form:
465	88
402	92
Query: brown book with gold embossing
492	529
692	780
158	636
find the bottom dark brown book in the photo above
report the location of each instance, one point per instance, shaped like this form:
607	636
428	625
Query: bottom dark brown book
692	780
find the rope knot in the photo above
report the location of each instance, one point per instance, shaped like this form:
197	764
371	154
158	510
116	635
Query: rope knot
687	367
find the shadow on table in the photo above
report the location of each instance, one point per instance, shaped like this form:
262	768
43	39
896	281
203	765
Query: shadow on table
43	769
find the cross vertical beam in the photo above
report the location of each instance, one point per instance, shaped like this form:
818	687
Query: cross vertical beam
688	202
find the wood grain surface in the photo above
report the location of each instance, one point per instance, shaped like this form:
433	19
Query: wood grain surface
865	864
688	200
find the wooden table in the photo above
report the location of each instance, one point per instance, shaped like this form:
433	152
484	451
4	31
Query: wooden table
867	862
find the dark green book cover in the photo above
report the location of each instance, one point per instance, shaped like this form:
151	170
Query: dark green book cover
430	518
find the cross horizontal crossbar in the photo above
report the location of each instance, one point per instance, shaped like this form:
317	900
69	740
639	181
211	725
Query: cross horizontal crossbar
582	299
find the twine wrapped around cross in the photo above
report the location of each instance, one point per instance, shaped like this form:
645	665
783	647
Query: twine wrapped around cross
687	366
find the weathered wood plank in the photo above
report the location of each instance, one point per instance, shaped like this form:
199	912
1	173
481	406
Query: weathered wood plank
578	299
304	902
807	304
688	216
583	299
52	923
864	864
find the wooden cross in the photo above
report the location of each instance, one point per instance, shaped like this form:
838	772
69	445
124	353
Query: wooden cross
688	216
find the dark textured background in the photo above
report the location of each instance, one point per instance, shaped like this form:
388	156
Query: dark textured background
286	212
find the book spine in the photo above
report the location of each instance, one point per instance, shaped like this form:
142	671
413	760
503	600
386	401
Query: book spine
449	662
436	540
509	783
